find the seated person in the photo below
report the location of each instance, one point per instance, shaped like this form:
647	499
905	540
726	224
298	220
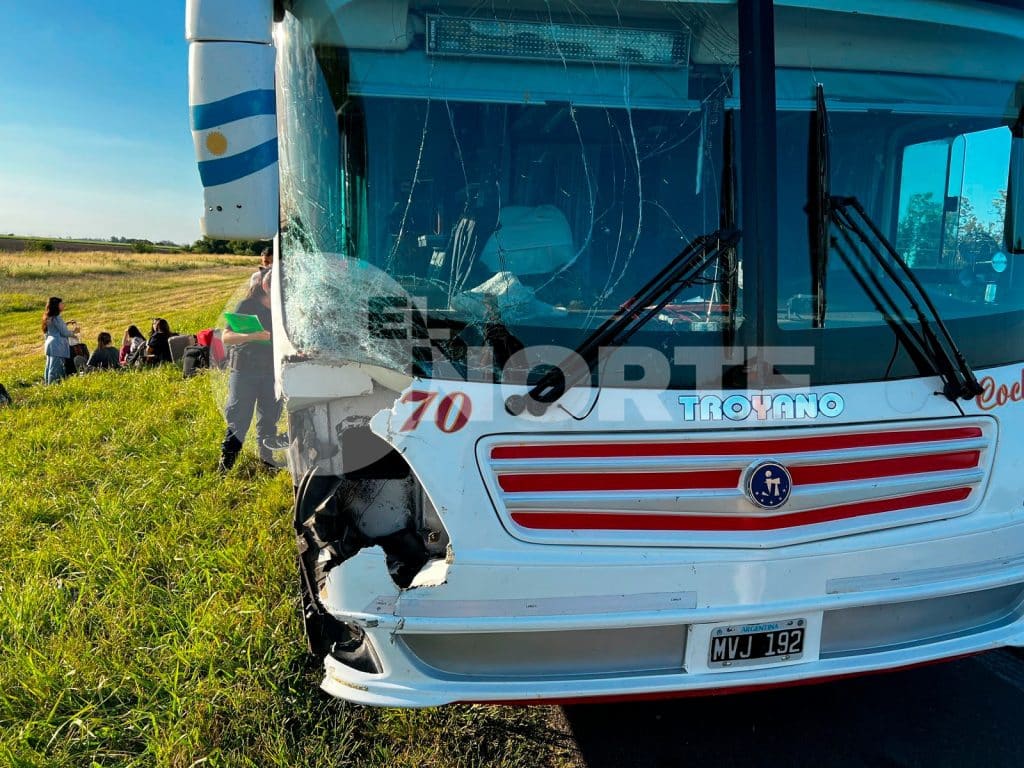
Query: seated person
159	349
79	358
130	342
105	356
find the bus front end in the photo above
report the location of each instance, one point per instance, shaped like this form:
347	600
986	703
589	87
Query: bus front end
645	348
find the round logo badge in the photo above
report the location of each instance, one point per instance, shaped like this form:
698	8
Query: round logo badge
769	485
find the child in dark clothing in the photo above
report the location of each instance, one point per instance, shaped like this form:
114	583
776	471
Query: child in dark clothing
159	349
105	355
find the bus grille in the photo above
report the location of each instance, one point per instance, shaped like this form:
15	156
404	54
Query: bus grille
692	489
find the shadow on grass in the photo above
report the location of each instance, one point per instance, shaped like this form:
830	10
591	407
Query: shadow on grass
455	735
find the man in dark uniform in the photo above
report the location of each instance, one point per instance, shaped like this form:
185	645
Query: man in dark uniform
251	381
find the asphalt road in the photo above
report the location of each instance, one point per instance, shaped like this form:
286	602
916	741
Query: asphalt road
968	712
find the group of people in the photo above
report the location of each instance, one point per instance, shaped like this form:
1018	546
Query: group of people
250	362
156	348
65	353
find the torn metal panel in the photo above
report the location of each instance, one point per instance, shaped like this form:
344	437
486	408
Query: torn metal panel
357	492
308	382
433	574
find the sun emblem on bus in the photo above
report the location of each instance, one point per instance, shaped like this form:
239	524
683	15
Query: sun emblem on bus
769	485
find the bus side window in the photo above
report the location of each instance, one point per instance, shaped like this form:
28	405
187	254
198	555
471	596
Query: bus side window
929	207
953	202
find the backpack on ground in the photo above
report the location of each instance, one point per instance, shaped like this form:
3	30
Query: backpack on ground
210	338
195	358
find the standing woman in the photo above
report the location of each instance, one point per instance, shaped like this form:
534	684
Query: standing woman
56	346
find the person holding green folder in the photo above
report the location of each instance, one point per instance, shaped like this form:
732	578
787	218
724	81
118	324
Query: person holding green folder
251	379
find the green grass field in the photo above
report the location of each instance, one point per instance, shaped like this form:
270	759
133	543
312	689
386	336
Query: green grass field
148	607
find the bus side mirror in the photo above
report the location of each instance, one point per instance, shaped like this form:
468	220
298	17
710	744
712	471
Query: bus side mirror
1013	229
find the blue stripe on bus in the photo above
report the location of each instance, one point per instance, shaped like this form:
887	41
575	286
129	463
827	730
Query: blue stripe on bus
241	105
228	169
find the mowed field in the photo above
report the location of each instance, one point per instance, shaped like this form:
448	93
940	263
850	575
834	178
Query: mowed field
148	607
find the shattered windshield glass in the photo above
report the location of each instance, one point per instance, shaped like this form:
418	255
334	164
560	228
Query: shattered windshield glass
488	177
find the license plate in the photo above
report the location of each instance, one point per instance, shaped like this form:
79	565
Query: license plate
744	645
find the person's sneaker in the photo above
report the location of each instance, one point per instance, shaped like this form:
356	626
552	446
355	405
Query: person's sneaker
276	443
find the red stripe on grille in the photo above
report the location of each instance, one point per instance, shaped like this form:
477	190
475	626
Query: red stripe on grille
620	481
729	478
597	521
862	470
729	447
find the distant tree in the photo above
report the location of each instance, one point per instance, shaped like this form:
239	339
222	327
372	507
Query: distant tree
978	240
241	247
206	245
968	238
919	230
249	247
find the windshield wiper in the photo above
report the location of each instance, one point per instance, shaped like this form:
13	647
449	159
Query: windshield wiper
728	264
633	314
958	379
867	278
847	213
818	181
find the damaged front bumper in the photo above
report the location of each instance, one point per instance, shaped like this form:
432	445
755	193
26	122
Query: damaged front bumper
589	633
425	593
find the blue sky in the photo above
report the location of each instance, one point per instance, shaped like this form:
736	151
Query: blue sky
94	132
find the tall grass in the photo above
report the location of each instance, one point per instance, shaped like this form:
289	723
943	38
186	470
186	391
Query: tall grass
61	264
148	607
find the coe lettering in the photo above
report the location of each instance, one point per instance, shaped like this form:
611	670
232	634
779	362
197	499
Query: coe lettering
997	395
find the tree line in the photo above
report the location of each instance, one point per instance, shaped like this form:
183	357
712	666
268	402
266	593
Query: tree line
239	247
202	245
929	236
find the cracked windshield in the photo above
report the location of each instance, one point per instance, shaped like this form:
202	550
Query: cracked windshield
501	180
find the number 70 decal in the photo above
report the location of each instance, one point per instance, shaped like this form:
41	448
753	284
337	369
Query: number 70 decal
452	414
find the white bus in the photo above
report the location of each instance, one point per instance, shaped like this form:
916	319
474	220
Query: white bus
636	348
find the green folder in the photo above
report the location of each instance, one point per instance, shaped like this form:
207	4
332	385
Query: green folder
243	323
